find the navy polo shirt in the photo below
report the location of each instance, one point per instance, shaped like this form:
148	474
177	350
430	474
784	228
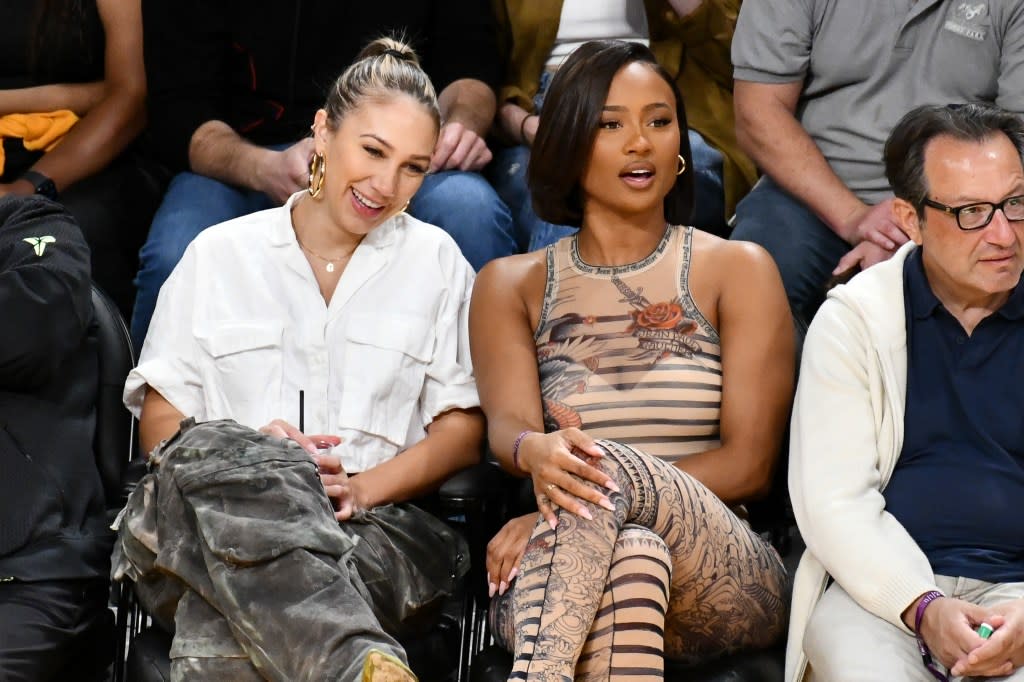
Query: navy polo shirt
958	486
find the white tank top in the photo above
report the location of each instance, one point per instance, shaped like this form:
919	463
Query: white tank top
584	20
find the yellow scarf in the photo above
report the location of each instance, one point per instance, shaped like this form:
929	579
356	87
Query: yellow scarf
39	131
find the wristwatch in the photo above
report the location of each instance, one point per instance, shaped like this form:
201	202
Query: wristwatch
43	185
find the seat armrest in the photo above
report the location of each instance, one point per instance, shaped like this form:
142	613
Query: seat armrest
130	477
473	486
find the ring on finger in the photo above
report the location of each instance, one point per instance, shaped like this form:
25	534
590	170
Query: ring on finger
549	487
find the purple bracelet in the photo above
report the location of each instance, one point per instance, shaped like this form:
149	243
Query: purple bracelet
515	448
926	654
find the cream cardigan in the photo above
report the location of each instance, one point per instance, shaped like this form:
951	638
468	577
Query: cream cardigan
847	433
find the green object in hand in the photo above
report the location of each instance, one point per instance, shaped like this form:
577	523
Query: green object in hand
984	630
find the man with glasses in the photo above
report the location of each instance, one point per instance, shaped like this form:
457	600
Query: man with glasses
907	456
819	85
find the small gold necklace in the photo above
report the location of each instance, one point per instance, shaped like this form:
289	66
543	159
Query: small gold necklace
330	261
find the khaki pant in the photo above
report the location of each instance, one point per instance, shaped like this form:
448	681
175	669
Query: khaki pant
845	643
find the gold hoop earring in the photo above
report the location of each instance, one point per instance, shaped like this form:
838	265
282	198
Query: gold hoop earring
317	173
682	165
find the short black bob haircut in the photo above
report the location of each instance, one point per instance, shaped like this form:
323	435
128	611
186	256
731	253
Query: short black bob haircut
569	123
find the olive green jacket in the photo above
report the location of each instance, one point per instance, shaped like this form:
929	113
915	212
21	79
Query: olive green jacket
694	50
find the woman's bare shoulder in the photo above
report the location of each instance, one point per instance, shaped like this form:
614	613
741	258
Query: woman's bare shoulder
732	259
522	274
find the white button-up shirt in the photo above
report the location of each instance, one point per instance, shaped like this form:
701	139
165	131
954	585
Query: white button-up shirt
241	327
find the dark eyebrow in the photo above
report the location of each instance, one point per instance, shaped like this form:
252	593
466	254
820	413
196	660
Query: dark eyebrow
648	107
385	143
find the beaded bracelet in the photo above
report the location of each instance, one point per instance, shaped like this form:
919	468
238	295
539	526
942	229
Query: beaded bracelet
515	448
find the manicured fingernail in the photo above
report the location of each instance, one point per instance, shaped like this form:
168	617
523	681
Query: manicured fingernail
513	573
553	523
611	485
585	513
607	504
502	587
491	588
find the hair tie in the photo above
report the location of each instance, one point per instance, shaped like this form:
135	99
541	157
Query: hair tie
396	54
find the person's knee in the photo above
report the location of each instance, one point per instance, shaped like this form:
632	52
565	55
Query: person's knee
459	201
839	633
179	220
643	543
465	206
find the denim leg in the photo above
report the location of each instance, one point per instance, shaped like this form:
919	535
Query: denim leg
508	175
465	206
192	204
709	214
804	248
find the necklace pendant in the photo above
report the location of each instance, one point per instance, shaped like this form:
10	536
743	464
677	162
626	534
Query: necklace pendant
330	267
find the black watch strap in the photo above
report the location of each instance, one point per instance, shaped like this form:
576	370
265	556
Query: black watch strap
44	186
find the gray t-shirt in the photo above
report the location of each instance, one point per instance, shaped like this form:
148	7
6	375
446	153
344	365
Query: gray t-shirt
865	63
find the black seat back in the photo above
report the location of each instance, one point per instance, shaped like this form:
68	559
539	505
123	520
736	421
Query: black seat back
114	435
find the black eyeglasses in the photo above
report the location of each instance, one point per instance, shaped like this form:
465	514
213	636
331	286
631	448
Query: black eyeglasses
976	216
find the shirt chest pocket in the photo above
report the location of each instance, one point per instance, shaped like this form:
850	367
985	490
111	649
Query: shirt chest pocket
242	371
386	359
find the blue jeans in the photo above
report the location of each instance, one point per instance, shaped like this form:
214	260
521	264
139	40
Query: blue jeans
462	204
466	206
804	248
507	172
508	175
709	192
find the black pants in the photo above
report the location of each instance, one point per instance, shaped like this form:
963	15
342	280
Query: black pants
55	630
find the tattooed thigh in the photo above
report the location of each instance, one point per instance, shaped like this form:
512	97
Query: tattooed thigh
729	592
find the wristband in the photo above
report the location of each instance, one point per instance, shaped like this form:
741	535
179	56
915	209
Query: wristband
522	129
926	654
515	448
927	599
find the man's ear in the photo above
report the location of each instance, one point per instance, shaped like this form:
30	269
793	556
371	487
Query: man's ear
906	217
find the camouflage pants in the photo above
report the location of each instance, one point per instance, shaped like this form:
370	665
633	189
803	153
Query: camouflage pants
233	546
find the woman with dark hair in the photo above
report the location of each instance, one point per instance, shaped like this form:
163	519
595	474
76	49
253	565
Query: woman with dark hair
640	372
690	38
72	101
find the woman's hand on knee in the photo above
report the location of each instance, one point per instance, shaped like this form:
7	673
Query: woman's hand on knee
560	464
505	552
